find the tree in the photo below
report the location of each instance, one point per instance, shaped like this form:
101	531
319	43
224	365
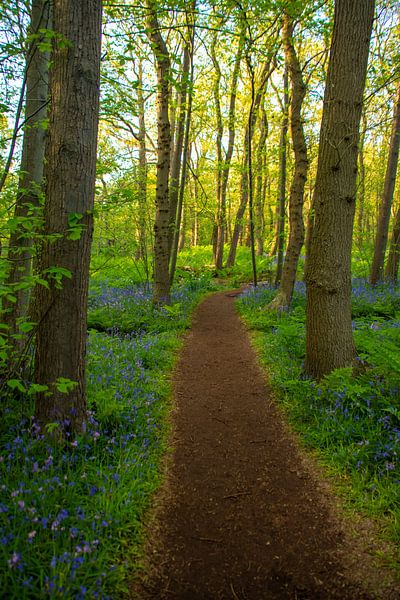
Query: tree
61	303
31	171
387	196
296	199
329	339
162	218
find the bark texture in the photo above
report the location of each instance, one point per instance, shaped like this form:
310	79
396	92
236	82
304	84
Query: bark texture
329	339
69	195
387	197
162	218
296	198
392	265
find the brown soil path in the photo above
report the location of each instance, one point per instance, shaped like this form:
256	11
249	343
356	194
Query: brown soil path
241	517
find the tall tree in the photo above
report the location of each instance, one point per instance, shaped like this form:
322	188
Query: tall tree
281	205
329	339
387	196
69	195
223	163
162	218
265	73
31	170
296	198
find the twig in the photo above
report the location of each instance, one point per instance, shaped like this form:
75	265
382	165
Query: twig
236	495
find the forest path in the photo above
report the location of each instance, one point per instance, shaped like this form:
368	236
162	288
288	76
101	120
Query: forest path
241	516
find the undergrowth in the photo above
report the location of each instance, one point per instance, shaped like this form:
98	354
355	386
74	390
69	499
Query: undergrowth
71	514
353	421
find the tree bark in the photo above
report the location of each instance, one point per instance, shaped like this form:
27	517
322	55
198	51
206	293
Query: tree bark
329	339
387	197
20	249
296	198
161	293
70	170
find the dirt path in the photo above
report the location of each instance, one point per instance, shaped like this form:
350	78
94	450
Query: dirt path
241	516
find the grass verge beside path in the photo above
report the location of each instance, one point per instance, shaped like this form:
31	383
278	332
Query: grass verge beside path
71	514
353	422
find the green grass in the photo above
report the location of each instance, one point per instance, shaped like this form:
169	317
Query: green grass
353	422
71	515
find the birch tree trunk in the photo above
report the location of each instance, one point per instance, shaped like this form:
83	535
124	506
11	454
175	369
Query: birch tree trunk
329	339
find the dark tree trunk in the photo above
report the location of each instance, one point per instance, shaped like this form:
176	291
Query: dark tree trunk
162	223
31	174
70	170
387	197
329	339
296	199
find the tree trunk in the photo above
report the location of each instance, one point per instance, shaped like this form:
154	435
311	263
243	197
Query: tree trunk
244	184
176	161
161	293
392	266
31	174
280	230
361	186
189	48
70	170
225	164
142	187
387	197
260	185
329	339
296	199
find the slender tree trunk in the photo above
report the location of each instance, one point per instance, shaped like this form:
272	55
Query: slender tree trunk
296	199
225	164
361	185
220	133
185	159
142	187
329	339
392	265
31	174
176	161
387	198
244	183
70	170
260	186
162	219
280	230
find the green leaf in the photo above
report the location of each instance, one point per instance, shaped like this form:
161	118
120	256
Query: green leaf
16	384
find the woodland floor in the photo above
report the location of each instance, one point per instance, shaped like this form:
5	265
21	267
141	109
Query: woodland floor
244	514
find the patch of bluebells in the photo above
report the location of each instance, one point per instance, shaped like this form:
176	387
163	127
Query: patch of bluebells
355	420
64	507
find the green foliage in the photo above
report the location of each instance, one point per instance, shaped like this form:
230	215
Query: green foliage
71	513
352	417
